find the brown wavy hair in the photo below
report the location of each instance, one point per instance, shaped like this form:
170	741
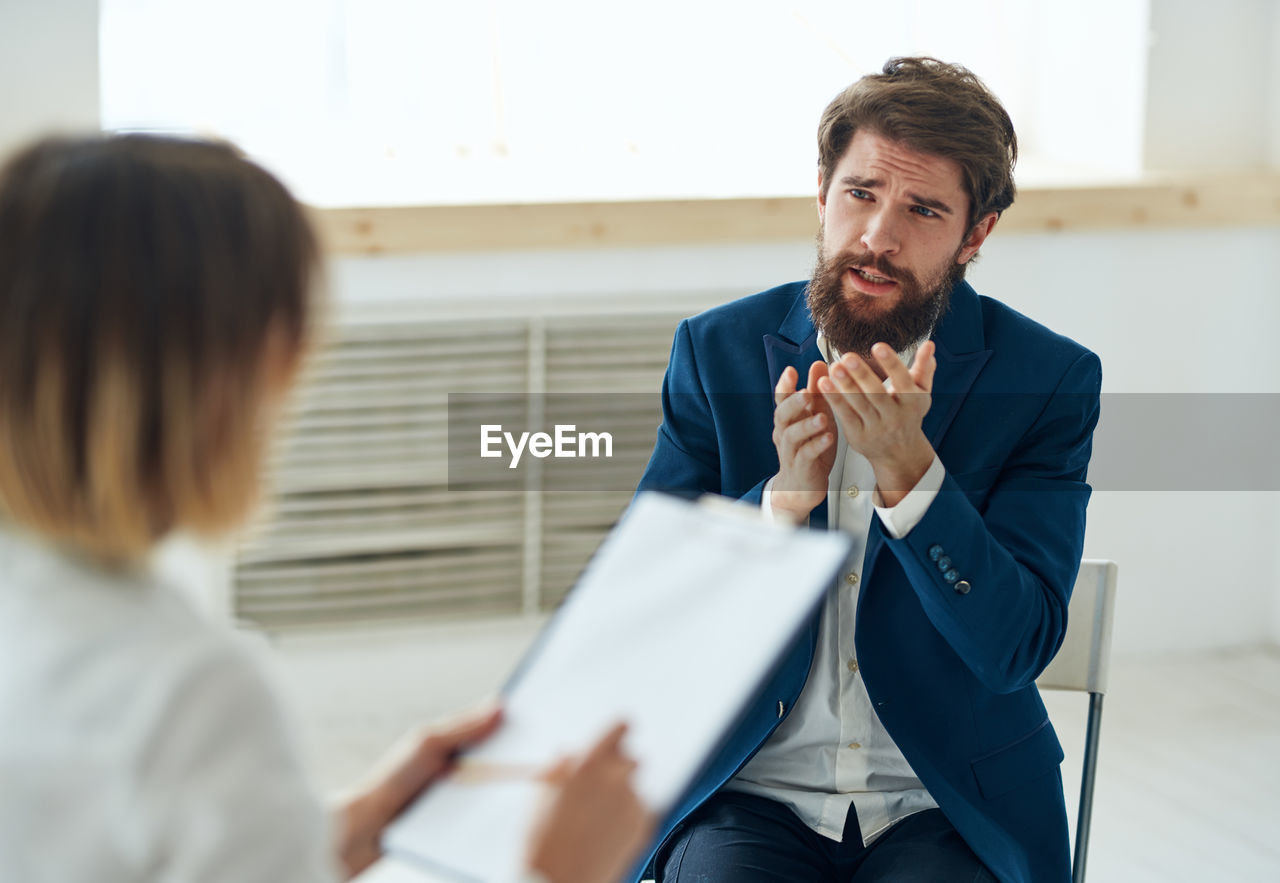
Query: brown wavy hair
157	297
932	107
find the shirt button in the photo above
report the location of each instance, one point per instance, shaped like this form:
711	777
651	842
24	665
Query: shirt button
851	579
853	665
852	490
855	745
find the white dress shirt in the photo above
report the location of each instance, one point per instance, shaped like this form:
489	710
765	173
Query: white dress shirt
137	740
832	751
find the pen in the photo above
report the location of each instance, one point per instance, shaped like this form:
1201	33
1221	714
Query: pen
468	771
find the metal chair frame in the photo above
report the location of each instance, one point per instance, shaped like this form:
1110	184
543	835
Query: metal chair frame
1082	664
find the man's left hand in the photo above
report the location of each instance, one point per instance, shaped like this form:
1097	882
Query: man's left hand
882	421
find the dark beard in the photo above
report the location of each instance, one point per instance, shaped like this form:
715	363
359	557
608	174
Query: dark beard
852	322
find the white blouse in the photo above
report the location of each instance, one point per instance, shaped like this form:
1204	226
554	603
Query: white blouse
139	741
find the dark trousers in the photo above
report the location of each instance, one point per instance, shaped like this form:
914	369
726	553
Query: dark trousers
742	838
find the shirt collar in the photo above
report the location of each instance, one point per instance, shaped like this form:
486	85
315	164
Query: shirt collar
831	354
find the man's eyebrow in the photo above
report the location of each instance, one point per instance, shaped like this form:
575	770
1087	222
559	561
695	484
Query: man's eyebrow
936	204
871	183
857	181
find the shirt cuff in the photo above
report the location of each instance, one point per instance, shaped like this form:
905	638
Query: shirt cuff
766	505
898	520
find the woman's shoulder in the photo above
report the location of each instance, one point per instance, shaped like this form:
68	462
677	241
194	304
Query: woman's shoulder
113	654
67	618
137	714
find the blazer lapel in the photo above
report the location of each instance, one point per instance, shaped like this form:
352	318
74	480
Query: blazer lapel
795	345
961	354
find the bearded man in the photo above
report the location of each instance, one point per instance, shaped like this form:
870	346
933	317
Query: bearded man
901	737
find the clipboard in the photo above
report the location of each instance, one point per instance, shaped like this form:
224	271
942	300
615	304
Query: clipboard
673	626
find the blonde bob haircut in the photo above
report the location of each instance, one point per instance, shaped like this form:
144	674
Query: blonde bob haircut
155	297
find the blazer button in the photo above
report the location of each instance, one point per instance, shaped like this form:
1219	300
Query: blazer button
952	575
944	563
781	708
962	587
935	552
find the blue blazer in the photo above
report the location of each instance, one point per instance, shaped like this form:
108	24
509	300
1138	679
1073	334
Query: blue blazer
949	666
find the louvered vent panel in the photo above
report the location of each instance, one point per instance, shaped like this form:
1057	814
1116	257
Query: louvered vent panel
602	371
363	524
354	587
366	521
373	409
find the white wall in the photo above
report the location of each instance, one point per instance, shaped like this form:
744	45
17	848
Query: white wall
1184	311
1209	84
1273	98
608	273
49	67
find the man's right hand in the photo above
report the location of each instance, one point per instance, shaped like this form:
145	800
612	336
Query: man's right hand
803	433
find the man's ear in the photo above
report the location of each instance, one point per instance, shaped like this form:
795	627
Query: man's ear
976	237
822	200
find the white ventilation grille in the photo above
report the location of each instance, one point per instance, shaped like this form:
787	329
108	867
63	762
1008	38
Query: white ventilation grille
364	524
615	364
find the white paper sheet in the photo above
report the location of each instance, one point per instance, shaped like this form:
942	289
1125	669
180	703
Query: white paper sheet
672	627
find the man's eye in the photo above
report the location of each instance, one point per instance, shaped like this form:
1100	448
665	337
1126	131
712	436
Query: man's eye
859	194
924	212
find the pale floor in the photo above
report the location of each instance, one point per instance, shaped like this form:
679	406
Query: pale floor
1189	770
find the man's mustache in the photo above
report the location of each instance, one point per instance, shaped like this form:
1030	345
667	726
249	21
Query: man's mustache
871	263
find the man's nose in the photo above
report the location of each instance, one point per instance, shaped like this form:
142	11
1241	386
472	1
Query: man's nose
880	236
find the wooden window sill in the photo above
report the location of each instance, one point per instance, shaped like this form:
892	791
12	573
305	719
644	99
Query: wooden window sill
1155	203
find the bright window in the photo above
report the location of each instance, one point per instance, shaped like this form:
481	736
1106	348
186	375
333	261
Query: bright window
367	102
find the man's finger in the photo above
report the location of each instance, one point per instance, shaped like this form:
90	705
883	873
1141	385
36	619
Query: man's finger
900	378
813	396
800	432
857	370
813	448
839	402
853	391
789	410
786	385
924	366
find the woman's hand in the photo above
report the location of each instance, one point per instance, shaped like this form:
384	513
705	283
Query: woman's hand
415	762
593	825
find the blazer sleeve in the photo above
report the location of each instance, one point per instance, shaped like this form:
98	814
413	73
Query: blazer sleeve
993	561
686	458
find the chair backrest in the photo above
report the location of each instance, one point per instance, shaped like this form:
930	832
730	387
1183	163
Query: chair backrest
1084	659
